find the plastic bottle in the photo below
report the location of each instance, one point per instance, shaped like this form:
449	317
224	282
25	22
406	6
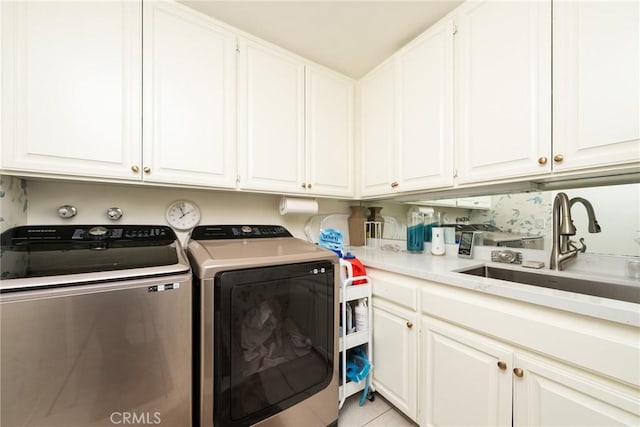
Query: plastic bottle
415	231
350	327
362	315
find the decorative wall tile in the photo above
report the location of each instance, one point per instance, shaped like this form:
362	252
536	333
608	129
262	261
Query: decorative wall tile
13	202
519	213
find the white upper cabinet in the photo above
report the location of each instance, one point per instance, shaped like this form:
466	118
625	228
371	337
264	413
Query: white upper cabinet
377	130
596	90
503	89
425	111
71	88
295	125
406	117
271	122
189	98
329	133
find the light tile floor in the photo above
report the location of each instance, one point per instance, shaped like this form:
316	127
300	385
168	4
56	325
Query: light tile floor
378	413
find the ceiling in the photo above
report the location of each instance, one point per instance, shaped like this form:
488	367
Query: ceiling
351	37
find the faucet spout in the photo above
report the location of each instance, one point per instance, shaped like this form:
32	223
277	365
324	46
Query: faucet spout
562	227
594	227
564	249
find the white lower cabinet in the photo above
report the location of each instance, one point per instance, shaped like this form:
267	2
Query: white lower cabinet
447	356
466	378
471	379
395	341
551	393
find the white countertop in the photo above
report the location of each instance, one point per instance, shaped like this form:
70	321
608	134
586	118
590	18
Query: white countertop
443	269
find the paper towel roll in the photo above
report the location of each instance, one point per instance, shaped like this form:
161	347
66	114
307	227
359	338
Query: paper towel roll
293	205
425	210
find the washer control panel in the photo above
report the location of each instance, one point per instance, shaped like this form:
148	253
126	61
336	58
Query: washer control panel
87	233
222	232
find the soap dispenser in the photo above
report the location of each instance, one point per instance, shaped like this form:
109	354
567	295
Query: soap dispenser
437	241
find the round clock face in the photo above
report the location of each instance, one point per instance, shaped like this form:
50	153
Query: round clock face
183	215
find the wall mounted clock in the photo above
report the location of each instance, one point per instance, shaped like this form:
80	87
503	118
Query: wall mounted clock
183	215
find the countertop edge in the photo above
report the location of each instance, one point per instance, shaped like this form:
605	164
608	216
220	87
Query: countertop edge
444	270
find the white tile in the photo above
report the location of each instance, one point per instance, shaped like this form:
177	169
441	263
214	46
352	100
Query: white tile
391	418
353	415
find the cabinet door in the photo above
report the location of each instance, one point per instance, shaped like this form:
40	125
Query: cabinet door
394	352
425	111
271	125
503	89
549	393
463	383
596	91
377	131
329	133
189	98
71	88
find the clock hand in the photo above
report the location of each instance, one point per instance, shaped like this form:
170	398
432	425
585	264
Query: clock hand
185	214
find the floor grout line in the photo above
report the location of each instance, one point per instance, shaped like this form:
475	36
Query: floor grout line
375	418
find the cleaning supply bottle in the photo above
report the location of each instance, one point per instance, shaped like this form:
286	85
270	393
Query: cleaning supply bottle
362	315
356	267
350	326
415	231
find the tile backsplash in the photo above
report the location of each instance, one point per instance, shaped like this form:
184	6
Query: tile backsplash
519	213
13	202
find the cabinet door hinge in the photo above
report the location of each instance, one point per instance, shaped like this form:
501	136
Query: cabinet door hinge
455	173
455	29
237	179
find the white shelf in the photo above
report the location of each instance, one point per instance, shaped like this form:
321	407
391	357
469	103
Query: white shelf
354	339
353	292
350	389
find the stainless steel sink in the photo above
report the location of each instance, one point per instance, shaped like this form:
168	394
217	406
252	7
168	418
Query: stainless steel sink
588	287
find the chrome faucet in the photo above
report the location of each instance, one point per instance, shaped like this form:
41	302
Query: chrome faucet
564	249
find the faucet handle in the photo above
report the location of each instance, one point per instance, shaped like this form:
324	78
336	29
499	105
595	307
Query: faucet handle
582	248
583	245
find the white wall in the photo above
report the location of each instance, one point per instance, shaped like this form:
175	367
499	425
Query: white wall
147	205
617	210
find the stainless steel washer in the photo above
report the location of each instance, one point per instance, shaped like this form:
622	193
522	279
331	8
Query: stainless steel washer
95	327
266	328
